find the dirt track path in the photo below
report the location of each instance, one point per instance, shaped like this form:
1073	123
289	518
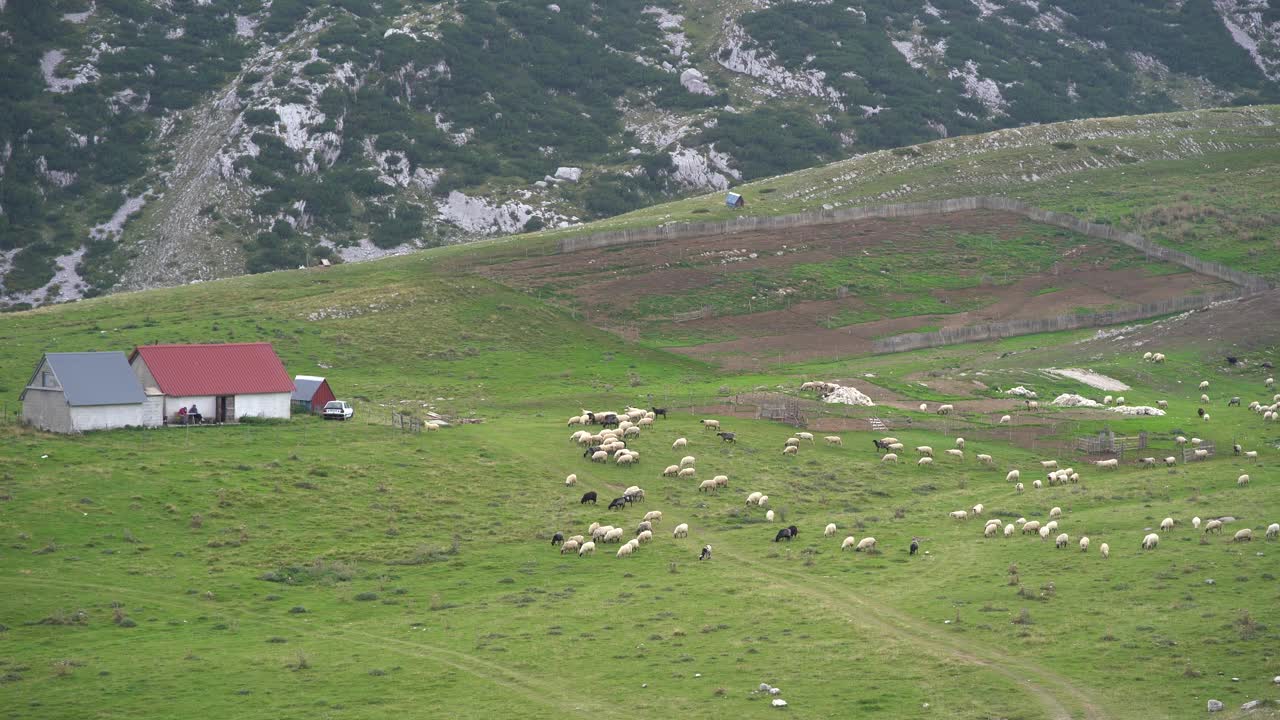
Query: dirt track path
1060	698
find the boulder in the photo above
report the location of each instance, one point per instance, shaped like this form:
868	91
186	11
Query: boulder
1251	705
1215	705
572	174
779	702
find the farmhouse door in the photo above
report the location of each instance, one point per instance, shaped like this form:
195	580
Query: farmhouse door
226	408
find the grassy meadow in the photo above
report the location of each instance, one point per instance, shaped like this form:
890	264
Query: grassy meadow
351	570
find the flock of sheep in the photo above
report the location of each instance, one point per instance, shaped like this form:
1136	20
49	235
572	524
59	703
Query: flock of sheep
611	443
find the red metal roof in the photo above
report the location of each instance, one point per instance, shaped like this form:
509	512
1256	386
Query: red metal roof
230	369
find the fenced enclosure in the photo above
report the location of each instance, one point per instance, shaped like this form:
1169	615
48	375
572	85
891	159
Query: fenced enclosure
1189	453
407	423
1106	442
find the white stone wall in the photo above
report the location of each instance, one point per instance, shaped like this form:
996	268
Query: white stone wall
106	417
47	410
265	405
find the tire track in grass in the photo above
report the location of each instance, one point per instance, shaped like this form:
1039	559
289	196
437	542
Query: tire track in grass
529	686
1046	687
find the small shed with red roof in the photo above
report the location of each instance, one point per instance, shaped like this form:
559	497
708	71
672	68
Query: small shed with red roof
223	382
311	392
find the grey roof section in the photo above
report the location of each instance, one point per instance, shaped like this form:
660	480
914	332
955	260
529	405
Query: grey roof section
96	378
304	388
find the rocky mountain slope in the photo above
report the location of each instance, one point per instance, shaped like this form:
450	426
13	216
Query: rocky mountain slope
156	142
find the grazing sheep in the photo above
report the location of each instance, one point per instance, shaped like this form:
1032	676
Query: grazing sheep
1051	526
1146	355
959	454
1044	532
654	516
614	535
784	534
626	550
1195	522
769	516
706	553
1252	455
1213	526
600	456
644	536
1008	530
1013	475
1273	531
1031	527
710	424
977	509
791	441
1019	487
1148	462
764	500
1075	478
1180	440
671	470
924	461
1037	484
897	447
687	461
848	543
682	530
628	459
892	440
1107	400
1104	550
1005	419
1111	464
990	531
985	459
1204	384
588	548
960	443
924	450
680	443
1242	480
687	473
1204	399
833	440
1120	400
830	530
707	486
945	409
1150	541
1244	535
924	407
644	525
1049	464
1032	405
754	498
1061	541
1235	401
1201	454
1269	382
721	481
889	457
1055	512
959	515
805	436
589	497
1157	358
568	547
1170	461
790	450
1166	524
1162	403
867	543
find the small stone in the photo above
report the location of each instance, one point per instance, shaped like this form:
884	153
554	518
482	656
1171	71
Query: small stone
775	691
779	702
764	687
1251	705
1276	680
644	685
572	174
697	675
1215	705
1235	679
1208	581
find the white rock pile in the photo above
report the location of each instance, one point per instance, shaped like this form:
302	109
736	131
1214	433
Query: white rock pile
1069	400
846	395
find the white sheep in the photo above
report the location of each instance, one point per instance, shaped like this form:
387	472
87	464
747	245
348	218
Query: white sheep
627	459
1008	530
958	454
1157	358
764	500
892	440
924	450
1273	531
805	436
1244	535
707	486
924	461
959	514
575	420
1111	464
1031	527
1055	512
1150	541
1252	455
1170	461
653	516
1204	384
671	471
889	457
680	443
1200	453
1037	484
1242	480
588	548
1162	403
571	480
1032	404
1213	526
1049	464
687	460
1195	522
791	441
1269	382
687	473
633	490
626	550
848	543
1204	399
682	530
790	450
769	516
833	440
1120	400
644	536
830	530
1148	462
1005	419
1019	487
977	509
897	447
990	531
924	407
1180	440
721	481
1051	526
1104	550
985	459
645	422
960	443
945	409
711	424
1061	541
1166	524
1044	533
1107	400
568	546
1013	475
867	543
1146	355
754	498
614	535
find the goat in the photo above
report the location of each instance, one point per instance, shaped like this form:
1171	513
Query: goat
728	437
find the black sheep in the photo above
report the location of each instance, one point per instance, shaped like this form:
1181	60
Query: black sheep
618	503
659	412
588	498
1200	412
706	553
728	437
881	446
557	538
915	546
783	534
794	531
1234	401
591	451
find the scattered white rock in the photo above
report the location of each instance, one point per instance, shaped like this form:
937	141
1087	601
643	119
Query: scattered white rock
1070	400
779	703
696	83
1215	705
572	174
1090	378
1137	410
1020	391
847	395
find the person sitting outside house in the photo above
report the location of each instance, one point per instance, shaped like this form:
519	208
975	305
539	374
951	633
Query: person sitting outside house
182	415
194	412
